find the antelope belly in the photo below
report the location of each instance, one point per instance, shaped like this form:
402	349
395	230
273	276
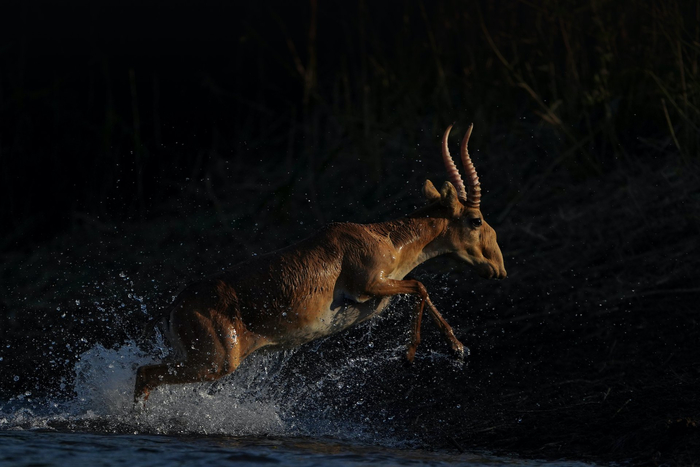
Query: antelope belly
337	316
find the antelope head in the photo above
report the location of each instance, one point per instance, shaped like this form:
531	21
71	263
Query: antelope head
467	234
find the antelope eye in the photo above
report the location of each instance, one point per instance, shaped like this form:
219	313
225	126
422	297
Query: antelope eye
476	222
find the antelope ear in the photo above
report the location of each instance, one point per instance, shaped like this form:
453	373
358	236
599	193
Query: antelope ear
430	192
449	199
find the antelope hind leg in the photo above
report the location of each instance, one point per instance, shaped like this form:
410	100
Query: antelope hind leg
151	376
204	355
214	348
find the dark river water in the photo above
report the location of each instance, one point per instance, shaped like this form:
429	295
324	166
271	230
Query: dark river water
263	414
42	448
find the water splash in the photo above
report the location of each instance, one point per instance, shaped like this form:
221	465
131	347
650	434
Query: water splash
270	394
104	385
329	388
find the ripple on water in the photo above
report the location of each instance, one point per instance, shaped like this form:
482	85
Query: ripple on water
24	448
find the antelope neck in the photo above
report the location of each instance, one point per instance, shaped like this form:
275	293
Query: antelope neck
417	239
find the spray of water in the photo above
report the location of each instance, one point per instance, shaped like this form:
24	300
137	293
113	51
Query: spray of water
322	389
270	394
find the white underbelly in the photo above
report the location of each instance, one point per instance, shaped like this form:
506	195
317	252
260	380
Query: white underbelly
335	317
345	311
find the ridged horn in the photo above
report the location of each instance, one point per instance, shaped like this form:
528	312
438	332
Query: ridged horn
452	173
473	185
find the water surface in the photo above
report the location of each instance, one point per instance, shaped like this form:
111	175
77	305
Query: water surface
41	448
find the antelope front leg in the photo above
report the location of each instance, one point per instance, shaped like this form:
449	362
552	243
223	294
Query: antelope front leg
456	346
415	335
390	287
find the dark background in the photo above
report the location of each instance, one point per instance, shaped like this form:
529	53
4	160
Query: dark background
145	144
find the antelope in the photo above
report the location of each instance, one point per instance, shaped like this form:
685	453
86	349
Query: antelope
343	275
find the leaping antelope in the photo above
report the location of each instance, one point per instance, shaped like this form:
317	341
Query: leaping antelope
343	275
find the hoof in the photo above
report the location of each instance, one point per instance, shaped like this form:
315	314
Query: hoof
461	352
410	355
139	406
140	401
